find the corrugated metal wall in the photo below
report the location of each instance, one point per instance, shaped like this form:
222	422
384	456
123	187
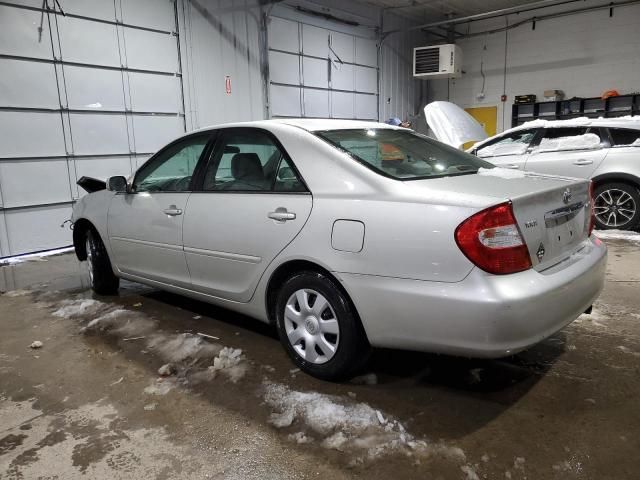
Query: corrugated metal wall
97	91
320	72
93	91
221	60
223	38
400	94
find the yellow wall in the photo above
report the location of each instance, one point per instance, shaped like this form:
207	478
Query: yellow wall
486	116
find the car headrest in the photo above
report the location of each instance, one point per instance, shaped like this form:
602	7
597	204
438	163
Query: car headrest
246	166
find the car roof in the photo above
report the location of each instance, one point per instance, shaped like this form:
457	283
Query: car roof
617	122
620	122
309	124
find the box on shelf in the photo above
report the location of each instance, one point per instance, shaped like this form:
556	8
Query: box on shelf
524	98
553	95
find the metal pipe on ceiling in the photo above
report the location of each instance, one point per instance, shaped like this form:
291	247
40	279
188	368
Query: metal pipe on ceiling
604	6
488	15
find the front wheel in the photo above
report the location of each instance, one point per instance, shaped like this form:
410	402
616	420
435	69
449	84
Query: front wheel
103	281
319	327
617	205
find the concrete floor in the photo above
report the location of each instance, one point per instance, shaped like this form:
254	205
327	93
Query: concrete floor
90	404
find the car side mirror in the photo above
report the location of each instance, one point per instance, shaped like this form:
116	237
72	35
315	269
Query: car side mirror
117	184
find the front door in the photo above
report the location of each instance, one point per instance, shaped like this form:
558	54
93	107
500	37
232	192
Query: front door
508	151
568	151
251	204
145	224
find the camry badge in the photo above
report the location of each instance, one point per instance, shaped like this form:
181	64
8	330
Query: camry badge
566	195
540	253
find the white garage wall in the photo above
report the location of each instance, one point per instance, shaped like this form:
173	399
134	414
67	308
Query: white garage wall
102	88
224	38
221	38
75	100
583	55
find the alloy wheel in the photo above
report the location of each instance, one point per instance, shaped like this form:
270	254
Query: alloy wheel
89	259
614	207
311	326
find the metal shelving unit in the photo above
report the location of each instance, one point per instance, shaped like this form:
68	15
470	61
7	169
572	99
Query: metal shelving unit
576	107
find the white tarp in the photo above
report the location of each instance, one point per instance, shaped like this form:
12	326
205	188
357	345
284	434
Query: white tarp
452	125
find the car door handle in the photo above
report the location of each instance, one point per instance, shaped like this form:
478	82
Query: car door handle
513	166
172	211
281	215
583	161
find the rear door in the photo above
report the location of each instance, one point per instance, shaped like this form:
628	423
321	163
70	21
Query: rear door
569	151
145	224
510	150
250	204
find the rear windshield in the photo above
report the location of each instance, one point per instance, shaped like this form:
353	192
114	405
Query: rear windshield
403	154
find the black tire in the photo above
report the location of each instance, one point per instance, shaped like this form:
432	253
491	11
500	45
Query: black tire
103	280
352	350
613	218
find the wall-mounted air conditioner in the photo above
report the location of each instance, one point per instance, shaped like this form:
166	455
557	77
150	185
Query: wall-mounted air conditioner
437	61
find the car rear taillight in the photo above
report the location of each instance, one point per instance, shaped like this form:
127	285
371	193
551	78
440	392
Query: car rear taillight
492	240
592	208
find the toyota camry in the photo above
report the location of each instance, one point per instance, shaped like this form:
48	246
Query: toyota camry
349	235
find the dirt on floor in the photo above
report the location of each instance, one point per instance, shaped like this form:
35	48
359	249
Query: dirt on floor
152	385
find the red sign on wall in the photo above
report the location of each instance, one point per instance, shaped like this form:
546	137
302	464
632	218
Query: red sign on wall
227	84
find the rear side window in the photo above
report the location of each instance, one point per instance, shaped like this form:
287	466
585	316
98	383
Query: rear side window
515	143
249	160
624	137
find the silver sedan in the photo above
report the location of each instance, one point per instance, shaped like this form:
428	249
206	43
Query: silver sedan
349	235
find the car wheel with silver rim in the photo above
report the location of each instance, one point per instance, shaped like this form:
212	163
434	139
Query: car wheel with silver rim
616	206
101	276
319	327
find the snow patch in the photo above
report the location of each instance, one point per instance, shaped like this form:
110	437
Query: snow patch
339	423
299	437
618	235
17	293
37	257
161	386
469	472
502	148
506	173
231	363
182	347
78	307
588	141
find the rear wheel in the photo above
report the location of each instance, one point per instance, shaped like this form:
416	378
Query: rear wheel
617	205
103	280
319	327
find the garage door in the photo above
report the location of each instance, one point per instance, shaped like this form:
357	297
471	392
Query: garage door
320	73
92	92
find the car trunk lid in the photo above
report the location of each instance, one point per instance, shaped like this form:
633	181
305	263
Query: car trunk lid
554	222
552	212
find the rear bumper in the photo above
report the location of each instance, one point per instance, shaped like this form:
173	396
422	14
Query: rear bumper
482	316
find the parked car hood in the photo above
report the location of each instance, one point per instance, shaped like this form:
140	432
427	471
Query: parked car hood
452	125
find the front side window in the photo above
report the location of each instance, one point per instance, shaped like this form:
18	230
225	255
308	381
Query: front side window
171	169
402	154
250	160
625	137
515	143
570	138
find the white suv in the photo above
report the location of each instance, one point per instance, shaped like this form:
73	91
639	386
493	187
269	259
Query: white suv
604	150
